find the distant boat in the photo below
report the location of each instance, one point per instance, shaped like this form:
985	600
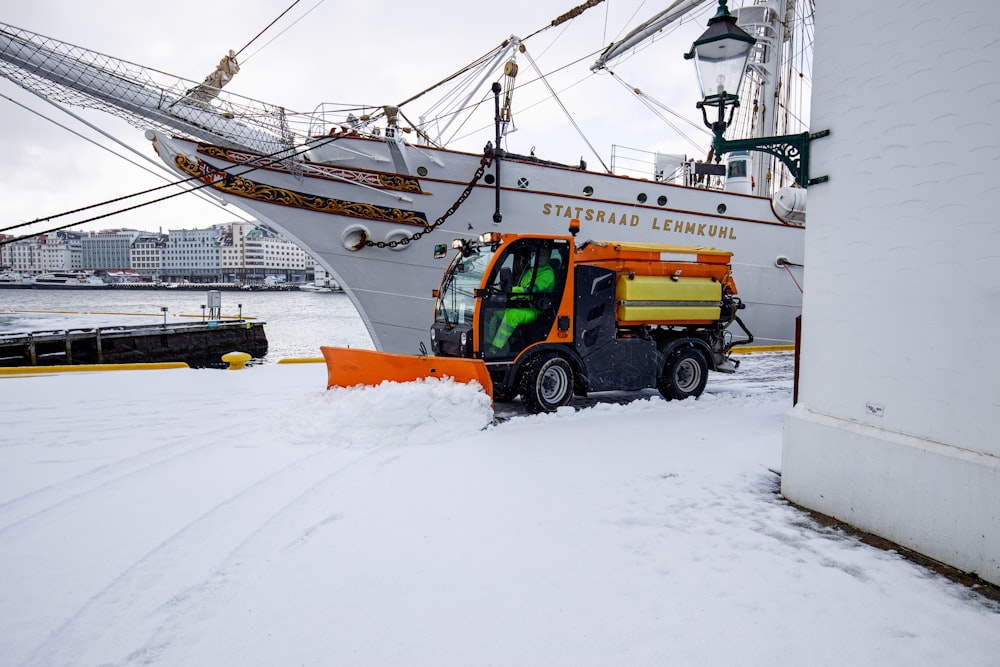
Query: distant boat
321	284
13	279
70	280
313	287
357	196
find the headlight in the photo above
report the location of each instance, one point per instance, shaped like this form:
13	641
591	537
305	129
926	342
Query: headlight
490	237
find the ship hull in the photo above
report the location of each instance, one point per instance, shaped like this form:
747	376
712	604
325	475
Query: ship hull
384	192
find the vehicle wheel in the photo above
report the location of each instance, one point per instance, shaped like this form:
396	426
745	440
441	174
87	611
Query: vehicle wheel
685	374
548	384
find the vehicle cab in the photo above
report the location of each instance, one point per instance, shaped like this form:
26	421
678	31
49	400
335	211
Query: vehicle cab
512	286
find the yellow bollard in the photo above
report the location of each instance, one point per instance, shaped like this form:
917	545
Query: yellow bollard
236	360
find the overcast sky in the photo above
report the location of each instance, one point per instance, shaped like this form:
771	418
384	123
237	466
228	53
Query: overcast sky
327	51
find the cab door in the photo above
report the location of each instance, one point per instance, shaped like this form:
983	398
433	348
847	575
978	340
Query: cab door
521	296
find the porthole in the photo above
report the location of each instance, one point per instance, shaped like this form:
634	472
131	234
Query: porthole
721	209
489	178
355	237
522	183
397	236
588	191
641	198
421	170
661	200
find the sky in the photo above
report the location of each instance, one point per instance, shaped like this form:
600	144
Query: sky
253	517
323	51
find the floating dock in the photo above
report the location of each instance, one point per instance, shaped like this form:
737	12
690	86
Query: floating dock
200	344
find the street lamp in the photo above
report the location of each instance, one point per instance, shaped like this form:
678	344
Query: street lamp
720	57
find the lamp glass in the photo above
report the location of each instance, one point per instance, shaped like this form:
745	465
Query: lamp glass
720	57
720	66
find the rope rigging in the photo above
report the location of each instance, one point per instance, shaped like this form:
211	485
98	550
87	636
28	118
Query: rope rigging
271	24
155	172
274	133
284	155
273	158
653	104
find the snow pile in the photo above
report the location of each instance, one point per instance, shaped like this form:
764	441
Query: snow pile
413	413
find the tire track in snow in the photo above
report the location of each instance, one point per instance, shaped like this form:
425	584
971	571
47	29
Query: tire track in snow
35	503
208	539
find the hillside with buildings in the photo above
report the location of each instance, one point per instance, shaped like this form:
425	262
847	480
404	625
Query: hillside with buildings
236	252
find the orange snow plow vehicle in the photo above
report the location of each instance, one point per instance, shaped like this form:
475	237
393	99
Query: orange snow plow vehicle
540	317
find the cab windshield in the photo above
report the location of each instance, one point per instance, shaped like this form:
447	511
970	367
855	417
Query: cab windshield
456	302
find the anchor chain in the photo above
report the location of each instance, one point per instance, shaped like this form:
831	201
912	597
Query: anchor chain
485	162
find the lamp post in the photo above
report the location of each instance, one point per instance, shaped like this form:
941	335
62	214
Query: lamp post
720	57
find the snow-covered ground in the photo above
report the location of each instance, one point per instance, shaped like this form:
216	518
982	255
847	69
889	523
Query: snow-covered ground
203	517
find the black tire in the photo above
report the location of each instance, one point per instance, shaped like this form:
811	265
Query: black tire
547	384
685	374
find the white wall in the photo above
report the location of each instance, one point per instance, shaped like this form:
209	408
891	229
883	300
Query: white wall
897	430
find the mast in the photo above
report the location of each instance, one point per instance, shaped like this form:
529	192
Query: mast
770	85
761	100
644	31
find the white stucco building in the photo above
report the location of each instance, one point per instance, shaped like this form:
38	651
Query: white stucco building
252	253
897	428
192	254
145	254
54	251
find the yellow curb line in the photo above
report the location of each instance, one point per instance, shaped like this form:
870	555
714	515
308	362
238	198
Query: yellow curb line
31	370
763	348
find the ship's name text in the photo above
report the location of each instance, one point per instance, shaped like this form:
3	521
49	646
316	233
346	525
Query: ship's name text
633	220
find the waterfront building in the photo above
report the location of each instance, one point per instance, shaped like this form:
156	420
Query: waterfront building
60	251
256	254
24	256
109	249
145	254
192	255
55	251
237	252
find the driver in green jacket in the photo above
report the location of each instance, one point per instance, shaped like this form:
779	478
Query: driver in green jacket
541	280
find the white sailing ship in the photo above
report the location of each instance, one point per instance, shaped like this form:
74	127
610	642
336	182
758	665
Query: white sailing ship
373	205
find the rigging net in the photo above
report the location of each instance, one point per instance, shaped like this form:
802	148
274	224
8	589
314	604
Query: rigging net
142	96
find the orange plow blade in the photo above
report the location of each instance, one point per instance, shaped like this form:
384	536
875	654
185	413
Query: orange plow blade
347	367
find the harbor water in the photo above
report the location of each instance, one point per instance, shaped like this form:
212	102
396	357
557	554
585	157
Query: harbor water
296	323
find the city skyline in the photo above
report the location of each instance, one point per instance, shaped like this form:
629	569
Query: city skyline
236	252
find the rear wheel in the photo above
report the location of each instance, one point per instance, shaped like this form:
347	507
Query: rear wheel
685	374
548	384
